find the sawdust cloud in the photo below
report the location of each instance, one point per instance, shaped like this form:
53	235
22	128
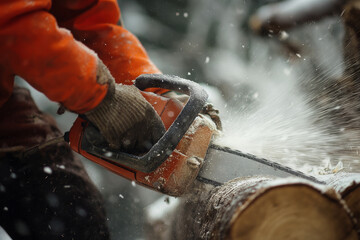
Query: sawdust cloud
286	119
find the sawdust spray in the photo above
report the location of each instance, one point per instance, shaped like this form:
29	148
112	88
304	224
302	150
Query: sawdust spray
294	115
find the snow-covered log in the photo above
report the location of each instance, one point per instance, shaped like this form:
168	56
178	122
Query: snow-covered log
254	208
276	17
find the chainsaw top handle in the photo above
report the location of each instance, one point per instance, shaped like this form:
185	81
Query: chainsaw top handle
161	150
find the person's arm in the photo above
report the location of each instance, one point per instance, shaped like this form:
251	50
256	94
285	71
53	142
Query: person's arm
33	47
96	23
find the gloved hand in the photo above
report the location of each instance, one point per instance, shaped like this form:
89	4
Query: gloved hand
125	119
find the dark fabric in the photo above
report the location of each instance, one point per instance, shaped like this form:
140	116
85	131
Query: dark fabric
22	124
47	195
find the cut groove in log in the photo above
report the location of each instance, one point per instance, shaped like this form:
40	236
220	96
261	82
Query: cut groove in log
259	208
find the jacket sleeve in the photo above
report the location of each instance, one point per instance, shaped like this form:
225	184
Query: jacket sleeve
94	22
34	47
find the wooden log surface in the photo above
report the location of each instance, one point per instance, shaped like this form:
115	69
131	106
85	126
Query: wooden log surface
254	208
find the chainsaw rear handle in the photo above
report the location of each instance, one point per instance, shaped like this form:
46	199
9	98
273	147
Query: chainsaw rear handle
161	150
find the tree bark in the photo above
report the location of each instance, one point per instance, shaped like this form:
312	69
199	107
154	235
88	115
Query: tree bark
254	208
348	186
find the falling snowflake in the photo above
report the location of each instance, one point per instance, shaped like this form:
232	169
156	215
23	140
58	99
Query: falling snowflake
48	170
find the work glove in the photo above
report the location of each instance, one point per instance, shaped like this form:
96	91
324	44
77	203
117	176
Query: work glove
125	119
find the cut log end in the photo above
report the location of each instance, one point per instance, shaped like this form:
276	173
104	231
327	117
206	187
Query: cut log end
273	215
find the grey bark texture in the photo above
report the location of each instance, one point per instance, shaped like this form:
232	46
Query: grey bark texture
348	186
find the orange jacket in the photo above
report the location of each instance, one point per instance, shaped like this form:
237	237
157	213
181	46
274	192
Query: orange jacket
43	41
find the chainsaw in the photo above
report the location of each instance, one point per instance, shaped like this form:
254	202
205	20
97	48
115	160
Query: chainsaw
184	153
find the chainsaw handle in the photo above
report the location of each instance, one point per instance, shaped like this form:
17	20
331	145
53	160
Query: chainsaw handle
168	142
161	150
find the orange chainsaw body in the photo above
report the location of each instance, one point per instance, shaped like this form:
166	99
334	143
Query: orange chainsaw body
180	169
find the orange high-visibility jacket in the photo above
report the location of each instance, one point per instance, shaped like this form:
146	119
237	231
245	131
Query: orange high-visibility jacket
43	41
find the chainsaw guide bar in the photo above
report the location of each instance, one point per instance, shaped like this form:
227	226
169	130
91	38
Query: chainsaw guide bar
223	164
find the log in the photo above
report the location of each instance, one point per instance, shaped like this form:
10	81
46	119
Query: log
254	208
281	16
348	186
275	19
